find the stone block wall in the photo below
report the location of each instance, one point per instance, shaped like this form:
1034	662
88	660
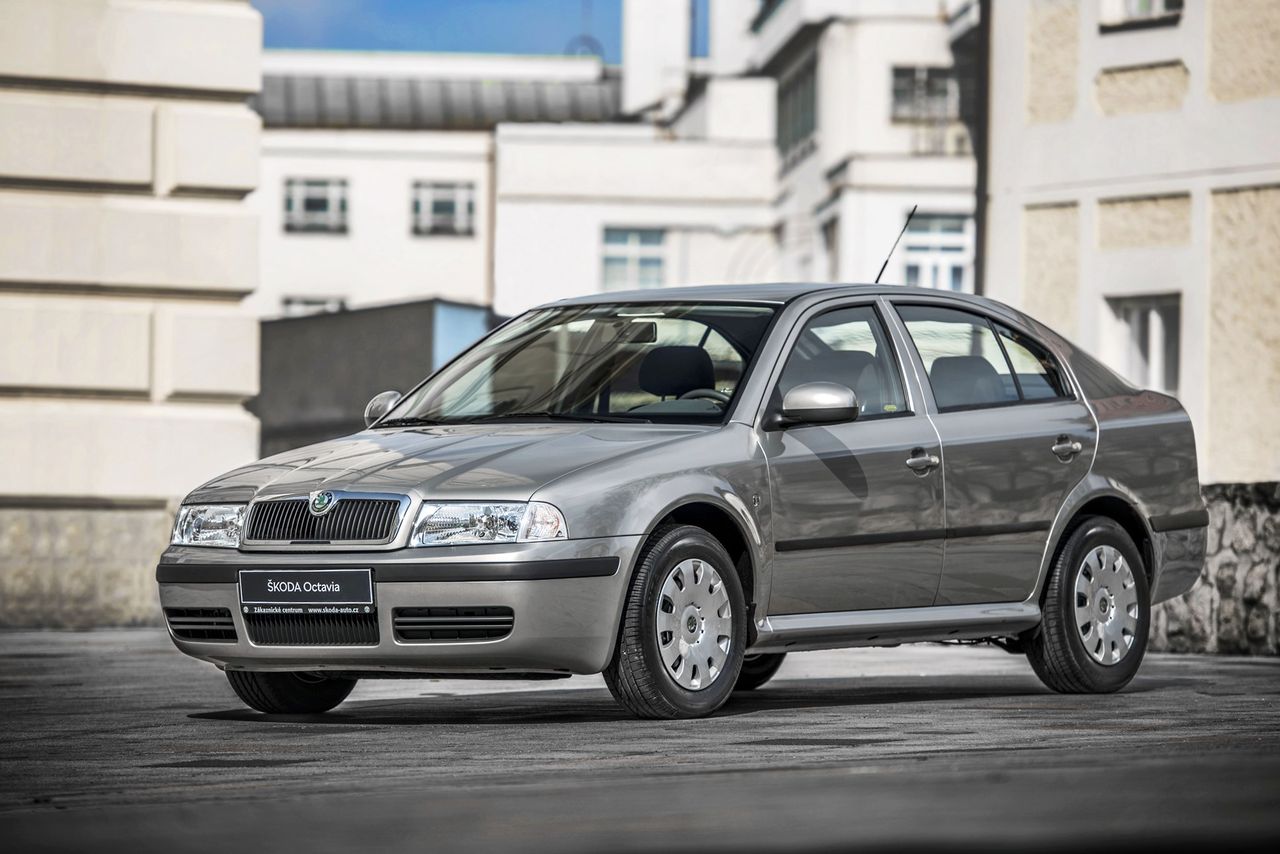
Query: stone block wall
1234	609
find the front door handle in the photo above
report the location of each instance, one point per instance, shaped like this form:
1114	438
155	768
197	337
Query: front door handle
1066	448
921	463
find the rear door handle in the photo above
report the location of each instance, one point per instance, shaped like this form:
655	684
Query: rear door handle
921	463
1066	448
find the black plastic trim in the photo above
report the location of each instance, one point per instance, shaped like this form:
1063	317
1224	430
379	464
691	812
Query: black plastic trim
1180	521
910	536
532	570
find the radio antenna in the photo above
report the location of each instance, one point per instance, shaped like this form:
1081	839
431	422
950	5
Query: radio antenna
895	243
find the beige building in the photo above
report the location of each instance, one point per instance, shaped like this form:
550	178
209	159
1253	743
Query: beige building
1133	201
126	147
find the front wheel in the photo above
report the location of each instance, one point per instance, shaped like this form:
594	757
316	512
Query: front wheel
289	693
684	628
758	669
1097	609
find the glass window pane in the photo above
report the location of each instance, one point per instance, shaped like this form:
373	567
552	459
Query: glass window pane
1038	374
650	273
848	346
964	361
650	236
615	274
616	236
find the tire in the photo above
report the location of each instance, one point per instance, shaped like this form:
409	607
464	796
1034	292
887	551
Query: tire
289	693
1072	650
758	669
639	676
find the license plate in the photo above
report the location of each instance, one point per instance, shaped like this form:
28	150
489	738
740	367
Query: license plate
306	591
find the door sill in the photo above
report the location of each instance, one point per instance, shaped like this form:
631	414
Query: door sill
833	630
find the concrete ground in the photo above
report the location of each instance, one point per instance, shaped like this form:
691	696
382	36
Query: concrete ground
111	740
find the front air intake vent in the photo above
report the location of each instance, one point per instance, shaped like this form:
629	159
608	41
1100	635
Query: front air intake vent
213	625
432	625
352	520
313	629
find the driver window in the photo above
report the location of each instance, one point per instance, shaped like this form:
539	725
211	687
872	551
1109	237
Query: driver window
848	346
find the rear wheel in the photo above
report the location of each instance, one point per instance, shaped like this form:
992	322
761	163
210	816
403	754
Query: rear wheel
758	669
1096	612
289	693
683	628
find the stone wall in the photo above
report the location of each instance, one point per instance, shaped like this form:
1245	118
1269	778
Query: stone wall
1233	610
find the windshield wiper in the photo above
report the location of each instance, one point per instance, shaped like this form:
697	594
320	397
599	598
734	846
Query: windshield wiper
408	422
558	416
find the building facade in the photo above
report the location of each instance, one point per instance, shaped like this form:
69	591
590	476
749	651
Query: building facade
766	141
868	127
125	252
1133	202
378	179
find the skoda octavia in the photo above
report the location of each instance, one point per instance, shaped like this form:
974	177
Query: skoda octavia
676	488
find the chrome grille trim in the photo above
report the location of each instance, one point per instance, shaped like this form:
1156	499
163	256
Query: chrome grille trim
357	519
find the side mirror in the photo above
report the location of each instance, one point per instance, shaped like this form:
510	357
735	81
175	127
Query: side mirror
379	406
818	403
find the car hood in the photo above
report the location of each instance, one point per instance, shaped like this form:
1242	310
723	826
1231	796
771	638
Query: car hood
483	462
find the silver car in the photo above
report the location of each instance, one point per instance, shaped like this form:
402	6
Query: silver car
676	488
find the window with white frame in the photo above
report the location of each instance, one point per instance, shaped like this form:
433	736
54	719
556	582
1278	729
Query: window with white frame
444	208
937	252
922	94
1129	14
633	258
1152	327
315	205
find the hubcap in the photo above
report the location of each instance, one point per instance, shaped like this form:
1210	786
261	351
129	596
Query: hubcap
1106	605
694	624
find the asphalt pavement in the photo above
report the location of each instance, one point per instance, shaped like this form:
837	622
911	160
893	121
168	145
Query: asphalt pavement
111	740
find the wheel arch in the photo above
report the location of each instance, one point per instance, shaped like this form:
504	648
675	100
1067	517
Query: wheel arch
718	521
1111	504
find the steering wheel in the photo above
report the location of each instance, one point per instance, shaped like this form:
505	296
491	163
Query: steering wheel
706	394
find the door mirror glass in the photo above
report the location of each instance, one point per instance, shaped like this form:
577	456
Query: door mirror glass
379	406
819	403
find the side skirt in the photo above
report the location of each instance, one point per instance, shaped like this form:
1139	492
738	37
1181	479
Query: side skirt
834	630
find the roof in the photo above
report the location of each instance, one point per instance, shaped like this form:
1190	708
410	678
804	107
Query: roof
406	102
777	293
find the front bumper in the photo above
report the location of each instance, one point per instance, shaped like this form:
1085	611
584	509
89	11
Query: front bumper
566	609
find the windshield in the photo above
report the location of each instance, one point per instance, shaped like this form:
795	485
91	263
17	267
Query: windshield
616	362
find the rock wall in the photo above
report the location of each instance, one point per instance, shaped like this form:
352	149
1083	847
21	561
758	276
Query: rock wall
1233	610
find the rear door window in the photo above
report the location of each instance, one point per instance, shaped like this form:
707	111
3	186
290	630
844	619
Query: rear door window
973	363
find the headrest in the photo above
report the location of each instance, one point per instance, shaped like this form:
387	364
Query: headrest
963	380
672	371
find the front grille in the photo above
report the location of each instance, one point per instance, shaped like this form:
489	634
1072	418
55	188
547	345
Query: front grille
201	624
313	629
350	520
452	624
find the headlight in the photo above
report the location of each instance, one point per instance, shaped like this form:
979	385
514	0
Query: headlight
209	525
449	524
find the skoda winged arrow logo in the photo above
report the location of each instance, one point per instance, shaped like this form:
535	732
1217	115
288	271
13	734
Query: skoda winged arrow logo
322	502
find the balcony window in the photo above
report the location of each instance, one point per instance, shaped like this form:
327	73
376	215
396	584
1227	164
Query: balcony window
925	95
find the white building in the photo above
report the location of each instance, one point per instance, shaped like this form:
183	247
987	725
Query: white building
793	147
377	169
868	127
